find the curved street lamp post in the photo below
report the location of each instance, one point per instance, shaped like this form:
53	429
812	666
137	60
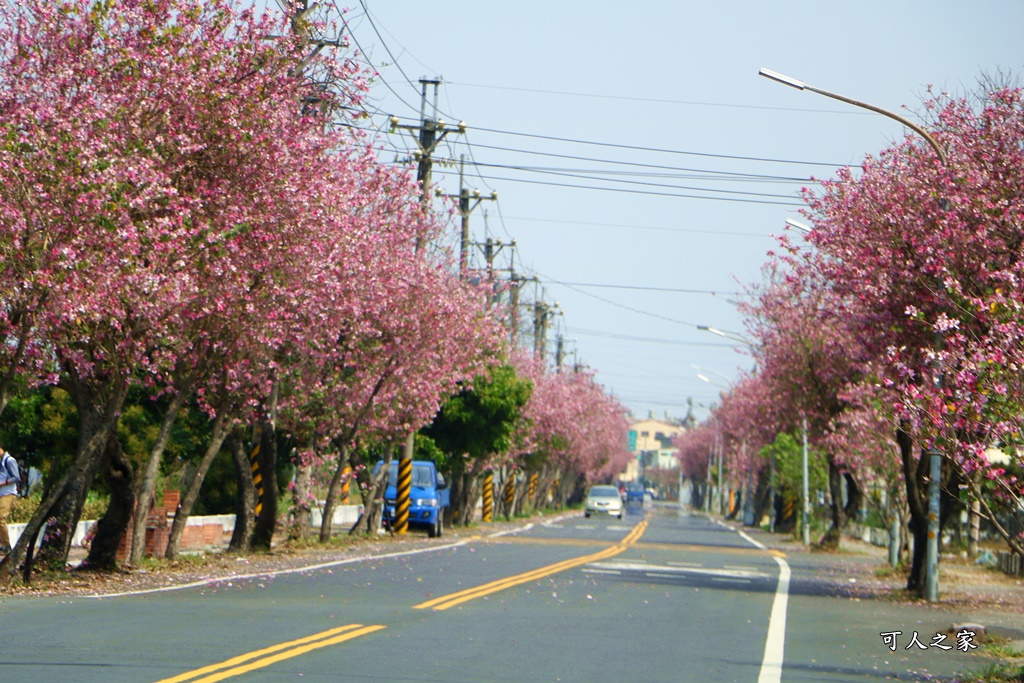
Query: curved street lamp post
935	458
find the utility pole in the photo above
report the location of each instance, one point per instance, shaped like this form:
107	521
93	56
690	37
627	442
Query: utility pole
429	133
559	352
515	282
466	207
542	314
491	248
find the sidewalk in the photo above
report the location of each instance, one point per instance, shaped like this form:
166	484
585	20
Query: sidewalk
968	593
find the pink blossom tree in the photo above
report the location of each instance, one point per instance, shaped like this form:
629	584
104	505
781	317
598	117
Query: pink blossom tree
138	210
927	254
573	431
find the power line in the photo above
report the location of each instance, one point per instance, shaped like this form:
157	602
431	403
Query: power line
648	289
618	305
646	192
657	100
657	149
730	175
641	227
651	340
369	63
584	176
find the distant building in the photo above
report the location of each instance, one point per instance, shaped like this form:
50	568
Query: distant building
654	439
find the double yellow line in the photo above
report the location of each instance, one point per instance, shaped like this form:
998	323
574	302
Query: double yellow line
273	654
447	601
294	648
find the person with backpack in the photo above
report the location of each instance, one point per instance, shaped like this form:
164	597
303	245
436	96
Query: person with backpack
10	477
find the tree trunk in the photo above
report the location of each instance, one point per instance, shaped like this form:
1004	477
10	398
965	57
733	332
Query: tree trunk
467	502
830	540
220	432
301	508
245	499
333	491
915	469
578	490
373	509
457	468
147	484
98	410
761	496
114	524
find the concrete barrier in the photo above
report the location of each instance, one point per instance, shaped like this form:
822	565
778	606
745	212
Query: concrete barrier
81	530
869	534
1010	563
202	530
344	515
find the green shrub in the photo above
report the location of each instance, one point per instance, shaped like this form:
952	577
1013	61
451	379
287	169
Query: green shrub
24	508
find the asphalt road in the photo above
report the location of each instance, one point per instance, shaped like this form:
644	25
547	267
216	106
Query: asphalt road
660	595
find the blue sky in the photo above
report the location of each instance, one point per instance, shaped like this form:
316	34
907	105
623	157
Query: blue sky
699	160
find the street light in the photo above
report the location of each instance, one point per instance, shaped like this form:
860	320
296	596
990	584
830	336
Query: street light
705	378
714	372
935	458
797	225
732	336
800	85
716	450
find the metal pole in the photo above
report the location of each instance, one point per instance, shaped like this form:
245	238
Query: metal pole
707	492
720	500
894	539
932	565
931	569
806	486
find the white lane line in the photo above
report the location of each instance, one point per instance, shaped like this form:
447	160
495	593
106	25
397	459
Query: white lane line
775	642
685	564
222	580
601	571
510	532
679	572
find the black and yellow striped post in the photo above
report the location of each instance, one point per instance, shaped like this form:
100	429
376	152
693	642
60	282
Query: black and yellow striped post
788	509
534	479
510	495
402	491
346	481
488	511
257	476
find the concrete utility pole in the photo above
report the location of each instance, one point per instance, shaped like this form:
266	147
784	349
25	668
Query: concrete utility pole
491	248
467	204
466	207
428	134
542	314
516	283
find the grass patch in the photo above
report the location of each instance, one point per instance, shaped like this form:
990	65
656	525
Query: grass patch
1002	648
997	673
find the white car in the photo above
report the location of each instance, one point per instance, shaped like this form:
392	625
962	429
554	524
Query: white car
603	500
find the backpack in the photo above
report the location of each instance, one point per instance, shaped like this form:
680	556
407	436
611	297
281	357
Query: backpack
16	471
